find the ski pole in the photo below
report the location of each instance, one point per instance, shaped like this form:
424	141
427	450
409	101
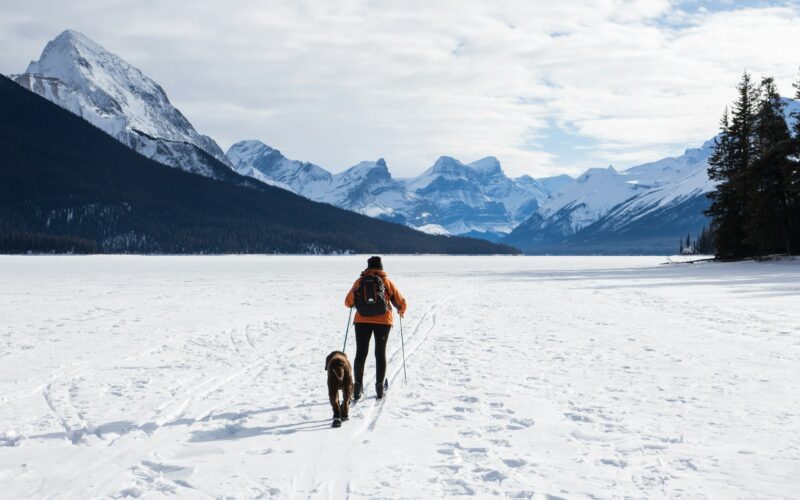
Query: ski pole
403	345
347	330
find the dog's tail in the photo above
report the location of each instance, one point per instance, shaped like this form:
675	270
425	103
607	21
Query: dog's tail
338	370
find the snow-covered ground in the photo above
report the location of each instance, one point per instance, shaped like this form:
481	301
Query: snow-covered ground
543	377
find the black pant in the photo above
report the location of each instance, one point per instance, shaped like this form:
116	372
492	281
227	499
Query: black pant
363	333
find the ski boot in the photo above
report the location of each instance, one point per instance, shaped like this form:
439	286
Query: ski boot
381	388
358	391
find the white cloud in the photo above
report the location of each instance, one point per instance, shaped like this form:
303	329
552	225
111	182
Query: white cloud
339	82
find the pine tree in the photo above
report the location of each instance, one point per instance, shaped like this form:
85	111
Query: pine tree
768	204
792	176
722	207
704	243
729	165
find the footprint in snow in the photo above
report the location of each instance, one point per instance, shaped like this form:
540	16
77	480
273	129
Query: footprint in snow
614	462
158	476
461	409
514	463
578	417
490	475
470	434
520	423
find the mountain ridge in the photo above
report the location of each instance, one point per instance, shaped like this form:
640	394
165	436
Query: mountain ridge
65	180
604	203
80	75
449	197
610	207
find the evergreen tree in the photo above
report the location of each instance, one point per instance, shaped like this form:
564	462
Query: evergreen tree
729	165
792	176
704	242
768	204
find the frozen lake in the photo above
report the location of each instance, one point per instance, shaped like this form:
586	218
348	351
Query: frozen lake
529	377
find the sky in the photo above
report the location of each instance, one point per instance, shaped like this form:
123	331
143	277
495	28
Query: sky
547	87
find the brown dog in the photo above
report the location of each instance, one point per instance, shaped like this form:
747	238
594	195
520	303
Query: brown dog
340	378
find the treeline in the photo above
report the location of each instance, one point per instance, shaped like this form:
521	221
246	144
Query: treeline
703	243
37	243
755	210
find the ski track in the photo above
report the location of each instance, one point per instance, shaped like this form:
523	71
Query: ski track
332	485
528	378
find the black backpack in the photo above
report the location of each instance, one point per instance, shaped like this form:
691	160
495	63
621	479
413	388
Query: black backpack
370	296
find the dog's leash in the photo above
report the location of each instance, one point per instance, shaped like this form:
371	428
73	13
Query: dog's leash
347	330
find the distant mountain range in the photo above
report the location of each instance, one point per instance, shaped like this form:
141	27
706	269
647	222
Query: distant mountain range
67	185
644	209
449	198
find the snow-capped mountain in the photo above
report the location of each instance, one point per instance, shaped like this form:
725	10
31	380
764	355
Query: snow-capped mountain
672	182
454	200
449	198
81	76
367	188
475	198
603	201
552	184
256	159
642	209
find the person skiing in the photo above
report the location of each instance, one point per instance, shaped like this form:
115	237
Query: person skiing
373	295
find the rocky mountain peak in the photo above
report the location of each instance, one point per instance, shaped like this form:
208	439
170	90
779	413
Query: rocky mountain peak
487	166
80	75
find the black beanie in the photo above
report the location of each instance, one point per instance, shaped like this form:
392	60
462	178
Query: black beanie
374	262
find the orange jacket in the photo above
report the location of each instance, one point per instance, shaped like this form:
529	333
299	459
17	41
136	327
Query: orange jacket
393	296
